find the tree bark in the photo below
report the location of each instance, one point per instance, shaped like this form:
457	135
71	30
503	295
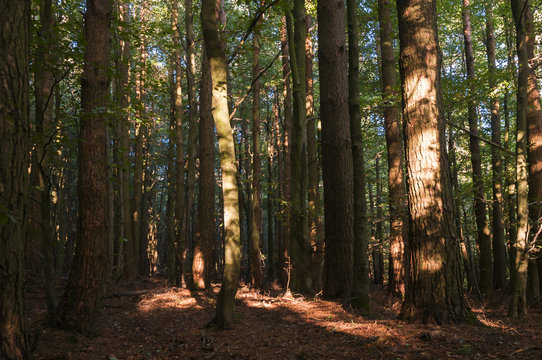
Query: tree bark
81	302
518	300
338	166
299	221
434	289
484	240
204	259
217	60
14	137
394	141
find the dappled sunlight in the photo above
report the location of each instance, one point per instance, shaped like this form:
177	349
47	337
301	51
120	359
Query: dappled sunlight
179	299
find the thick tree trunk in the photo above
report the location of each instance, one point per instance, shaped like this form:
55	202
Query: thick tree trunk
499	254
226	299
338	166
204	251
484	240
434	290
14	137
299	221
81	302
256	208
518	300
394	141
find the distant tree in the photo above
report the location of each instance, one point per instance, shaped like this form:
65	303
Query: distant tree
82	298
14	137
434	290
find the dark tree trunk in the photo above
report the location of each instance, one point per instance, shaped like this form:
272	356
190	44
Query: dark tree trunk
434	290
14	137
338	167
81	302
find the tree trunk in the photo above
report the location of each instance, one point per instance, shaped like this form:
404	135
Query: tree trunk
14	137
338	165
484	240
315	220
284	239
518	300
394	141
434	292
204	251
499	255
256	209
44	87
81	302
299	221
226	299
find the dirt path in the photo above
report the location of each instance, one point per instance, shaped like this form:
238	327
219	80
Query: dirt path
159	322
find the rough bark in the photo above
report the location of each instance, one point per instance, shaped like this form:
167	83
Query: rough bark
484	240
337	164
434	289
226	299
84	291
394	142
14	137
299	221
499	254
203	264
518	300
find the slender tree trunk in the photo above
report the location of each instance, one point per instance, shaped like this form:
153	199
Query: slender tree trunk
338	166
226	298
499	255
256	209
204	251
534	150
434	290
360	286
284	239
518	300
172	264
484	240
394	141
315	220
81	302
14	137
44	87
299	225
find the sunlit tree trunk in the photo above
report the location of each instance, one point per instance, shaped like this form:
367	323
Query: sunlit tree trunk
338	167
434	290
534	150
226	298
484	240
81	302
518	300
204	251
256	209
499	255
14	137
171	261
299	221
394	141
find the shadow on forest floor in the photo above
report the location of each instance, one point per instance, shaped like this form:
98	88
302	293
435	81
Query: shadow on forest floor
160	322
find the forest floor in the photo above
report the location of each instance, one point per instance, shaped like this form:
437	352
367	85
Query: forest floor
160	322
